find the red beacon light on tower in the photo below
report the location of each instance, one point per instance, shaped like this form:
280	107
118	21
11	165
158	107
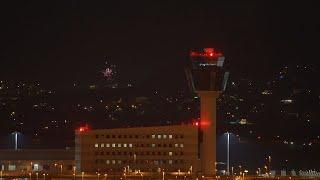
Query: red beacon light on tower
207	57
83	129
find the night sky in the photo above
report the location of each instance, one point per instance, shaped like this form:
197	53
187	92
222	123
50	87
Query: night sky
59	42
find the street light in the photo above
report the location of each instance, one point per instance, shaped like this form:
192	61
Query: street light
30	175
74	172
228	153
44	176
15	134
245	171
162	175
105	176
1	174
82	174
37	175
269	163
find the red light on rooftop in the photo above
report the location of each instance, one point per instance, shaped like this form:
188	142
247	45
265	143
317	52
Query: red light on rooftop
206	52
83	129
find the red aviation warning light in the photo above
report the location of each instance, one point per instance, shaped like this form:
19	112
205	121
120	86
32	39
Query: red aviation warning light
206	52
206	57
83	129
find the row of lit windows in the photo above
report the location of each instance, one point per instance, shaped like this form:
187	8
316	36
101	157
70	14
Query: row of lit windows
155	162
170	153
153	136
125	145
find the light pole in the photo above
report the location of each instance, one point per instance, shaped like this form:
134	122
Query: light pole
44	176
163	175
74	172
245	171
269	164
228	153
105	176
98	176
82	174
15	134
30	175
61	169
37	175
1	174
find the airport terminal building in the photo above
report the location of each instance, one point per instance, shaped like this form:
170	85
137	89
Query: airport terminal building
148	149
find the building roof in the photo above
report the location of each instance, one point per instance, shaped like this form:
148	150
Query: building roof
37	154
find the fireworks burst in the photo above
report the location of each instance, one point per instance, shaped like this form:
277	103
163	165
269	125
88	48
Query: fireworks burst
109	71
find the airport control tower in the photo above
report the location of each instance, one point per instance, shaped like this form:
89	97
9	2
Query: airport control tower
207	77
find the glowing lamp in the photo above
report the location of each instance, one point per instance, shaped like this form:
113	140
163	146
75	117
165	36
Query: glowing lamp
83	129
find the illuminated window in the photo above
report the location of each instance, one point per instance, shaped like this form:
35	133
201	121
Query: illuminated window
13	167
181	145
96	145
124	145
113	145
159	136
170	153
113	161
130	145
176	145
164	136
107	161
153	136
153	145
108	145
170	161
119	162
170	136
102	145
119	145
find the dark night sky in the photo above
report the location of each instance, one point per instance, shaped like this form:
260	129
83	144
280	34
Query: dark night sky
58	42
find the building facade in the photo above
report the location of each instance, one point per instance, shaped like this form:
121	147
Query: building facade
147	149
24	161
